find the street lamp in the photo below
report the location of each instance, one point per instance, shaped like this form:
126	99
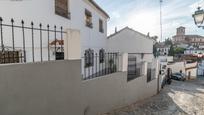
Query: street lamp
199	17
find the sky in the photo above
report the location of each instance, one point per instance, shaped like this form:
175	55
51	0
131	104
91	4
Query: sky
144	16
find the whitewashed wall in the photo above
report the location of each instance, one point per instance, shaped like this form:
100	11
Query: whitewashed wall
130	41
177	67
43	11
191	73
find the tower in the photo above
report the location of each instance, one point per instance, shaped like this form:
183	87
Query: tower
181	31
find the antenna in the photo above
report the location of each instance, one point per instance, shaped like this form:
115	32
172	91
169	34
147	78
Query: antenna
161	27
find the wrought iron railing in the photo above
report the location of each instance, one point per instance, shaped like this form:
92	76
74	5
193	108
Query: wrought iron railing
33	42
97	65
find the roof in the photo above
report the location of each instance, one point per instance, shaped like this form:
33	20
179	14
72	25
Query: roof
130	30
198	36
190	36
195	67
99	8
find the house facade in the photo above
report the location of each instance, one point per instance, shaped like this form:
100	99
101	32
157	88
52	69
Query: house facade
194	52
83	15
132	42
162	49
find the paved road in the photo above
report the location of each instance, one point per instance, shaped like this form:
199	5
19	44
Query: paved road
179	98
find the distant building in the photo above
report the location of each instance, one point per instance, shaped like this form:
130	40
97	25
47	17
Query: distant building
162	49
197	52
182	38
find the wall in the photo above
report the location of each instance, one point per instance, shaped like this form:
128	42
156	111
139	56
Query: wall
176	67
126	38
50	88
43	11
165	58
113	91
56	88
190	65
193	73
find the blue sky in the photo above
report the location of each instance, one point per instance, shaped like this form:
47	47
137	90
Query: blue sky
143	15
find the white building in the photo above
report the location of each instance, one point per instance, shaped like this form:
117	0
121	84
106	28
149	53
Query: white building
132	42
164	60
162	49
194	52
83	15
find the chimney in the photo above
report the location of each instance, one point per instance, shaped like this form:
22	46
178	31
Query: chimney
116	30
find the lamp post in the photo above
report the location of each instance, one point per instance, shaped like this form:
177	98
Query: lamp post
199	17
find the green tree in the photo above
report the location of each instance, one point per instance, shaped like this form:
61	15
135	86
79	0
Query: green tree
178	50
155	50
171	51
168	41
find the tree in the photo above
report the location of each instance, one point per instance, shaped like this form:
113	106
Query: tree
171	51
179	50
155	50
168	41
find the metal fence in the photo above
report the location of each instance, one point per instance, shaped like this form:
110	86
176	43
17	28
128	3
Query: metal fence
96	64
151	72
134	68
31	43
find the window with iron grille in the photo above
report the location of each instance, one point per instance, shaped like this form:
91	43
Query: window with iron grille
62	8
101	55
151	72
101	26
89	58
88	19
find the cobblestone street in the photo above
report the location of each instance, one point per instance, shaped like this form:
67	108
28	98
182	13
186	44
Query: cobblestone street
179	98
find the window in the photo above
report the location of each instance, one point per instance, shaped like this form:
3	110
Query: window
89	58
101	26
88	18
62	9
101	55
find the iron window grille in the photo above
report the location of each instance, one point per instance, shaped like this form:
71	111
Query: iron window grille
89	58
101	55
97	69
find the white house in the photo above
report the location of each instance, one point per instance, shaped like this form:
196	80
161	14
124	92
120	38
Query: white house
164	60
83	15
162	49
194	52
132	42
